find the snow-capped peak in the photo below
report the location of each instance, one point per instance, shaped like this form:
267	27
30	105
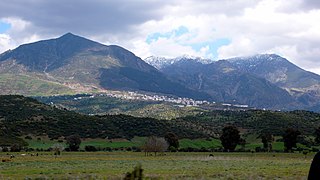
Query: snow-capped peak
161	62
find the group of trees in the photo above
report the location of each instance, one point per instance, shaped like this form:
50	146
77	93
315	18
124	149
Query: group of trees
230	138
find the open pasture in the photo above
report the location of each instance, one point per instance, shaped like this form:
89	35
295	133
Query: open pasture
114	165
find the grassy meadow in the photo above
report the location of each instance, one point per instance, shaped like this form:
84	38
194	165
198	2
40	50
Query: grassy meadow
114	165
172	165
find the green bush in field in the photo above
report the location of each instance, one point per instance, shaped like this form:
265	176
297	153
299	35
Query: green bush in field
136	174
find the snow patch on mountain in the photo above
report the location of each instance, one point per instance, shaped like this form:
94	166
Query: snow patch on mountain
162	62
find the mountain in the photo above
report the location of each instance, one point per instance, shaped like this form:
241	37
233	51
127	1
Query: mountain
301	84
73	63
264	80
162	62
226	83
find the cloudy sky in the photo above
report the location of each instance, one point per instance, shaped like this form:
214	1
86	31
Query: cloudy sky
213	29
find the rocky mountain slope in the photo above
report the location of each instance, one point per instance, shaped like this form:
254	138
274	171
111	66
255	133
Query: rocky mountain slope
265	80
301	84
82	65
225	83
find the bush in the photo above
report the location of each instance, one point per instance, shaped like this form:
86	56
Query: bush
136	149
5	149
172	149
15	148
258	149
28	137
90	148
135	174
109	149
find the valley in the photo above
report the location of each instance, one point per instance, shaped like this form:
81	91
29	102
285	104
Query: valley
114	103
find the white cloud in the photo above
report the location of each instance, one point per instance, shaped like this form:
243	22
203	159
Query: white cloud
4	42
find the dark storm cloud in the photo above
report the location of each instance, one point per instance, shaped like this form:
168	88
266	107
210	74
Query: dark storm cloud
89	17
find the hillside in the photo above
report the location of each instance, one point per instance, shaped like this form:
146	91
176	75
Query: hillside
79	64
225	83
304	86
23	116
263	81
100	104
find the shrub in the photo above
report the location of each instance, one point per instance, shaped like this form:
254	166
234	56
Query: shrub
5	149
135	174
28	137
90	148
15	148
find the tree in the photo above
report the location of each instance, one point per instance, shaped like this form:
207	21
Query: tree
73	142
57	149
290	139
317	135
155	144
230	138
267	139
172	139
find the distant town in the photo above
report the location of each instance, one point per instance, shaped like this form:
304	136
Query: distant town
181	102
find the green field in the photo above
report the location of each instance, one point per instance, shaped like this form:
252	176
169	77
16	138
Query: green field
207	144
114	165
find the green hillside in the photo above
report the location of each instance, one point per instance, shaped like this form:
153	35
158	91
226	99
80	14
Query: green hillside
25	116
102	104
30	85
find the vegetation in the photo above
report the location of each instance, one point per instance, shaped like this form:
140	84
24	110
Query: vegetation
256	121
31	85
73	142
317	135
100	104
114	165
22	116
173	140
230	138
290	139
24	120
155	144
267	139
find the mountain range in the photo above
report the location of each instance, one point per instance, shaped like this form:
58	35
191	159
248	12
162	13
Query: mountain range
72	64
264	80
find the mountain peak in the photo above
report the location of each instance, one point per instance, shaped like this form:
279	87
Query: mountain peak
68	34
72	37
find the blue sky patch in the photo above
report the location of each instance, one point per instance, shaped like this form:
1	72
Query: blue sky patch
174	33
4	27
213	46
